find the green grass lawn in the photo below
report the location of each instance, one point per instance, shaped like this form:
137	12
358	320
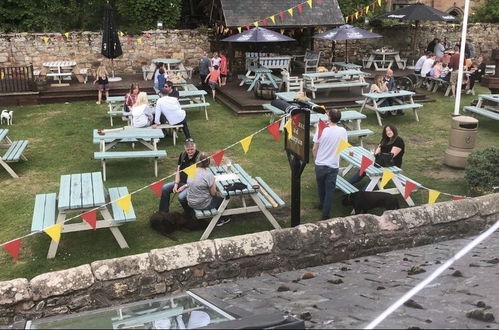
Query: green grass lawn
60	137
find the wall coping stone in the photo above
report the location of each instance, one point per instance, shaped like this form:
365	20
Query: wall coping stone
181	256
244	245
127	266
14	291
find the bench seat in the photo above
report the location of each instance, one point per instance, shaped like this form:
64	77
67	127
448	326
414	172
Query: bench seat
44	213
105	155
204	214
62	74
400	107
317	86
345	186
359	132
118	214
483	112
13	154
194	105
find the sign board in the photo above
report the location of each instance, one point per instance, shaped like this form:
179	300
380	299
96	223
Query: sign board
298	144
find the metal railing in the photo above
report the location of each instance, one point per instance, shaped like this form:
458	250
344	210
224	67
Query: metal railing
17	79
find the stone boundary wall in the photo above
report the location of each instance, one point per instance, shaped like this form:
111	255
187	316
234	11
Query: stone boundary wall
84	48
161	271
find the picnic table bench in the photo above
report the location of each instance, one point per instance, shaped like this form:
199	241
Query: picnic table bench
195	100
256	188
116	107
59	70
79	193
328	80
14	152
485	110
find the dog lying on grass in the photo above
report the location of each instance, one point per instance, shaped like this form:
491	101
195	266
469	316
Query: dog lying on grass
167	222
364	201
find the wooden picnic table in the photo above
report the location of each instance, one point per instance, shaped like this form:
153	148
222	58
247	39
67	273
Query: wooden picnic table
401	100
146	136
80	193
329	80
490	111
386	61
5	141
347	66
60	70
169	62
353	156
255	74
256	189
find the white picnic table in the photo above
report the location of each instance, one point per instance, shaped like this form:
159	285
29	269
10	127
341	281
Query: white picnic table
487	110
60	70
386	61
329	80
347	66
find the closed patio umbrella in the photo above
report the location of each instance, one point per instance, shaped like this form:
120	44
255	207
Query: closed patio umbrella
111	46
347	32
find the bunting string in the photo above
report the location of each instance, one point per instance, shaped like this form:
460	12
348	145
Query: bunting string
13	246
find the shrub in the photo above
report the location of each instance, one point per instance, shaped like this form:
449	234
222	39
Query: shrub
482	173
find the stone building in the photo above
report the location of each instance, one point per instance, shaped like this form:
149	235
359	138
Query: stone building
455	8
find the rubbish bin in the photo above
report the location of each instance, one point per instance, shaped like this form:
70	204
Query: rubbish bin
462	140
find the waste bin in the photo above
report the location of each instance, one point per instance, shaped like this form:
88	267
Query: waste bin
462	141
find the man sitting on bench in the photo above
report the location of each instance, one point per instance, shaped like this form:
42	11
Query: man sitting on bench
168	109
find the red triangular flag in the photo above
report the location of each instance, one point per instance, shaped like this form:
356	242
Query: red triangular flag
217	157
13	248
456	198
319	1
374	5
91	218
300	8
148	35
296	120
281	15
247	26
129	40
274	130
264	21
364	164
409	187
157	187
321	127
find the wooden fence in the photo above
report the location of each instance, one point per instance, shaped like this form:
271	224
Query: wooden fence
17	79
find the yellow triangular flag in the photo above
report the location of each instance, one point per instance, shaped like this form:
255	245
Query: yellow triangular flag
346	19
367	9
139	41
255	23
290	11
54	232
282	31
356	14
342	146
67	35
125	203
239	29
387	176
245	143
46	39
272	18
379	3
121	34
309	3
191	171
288	128
432	196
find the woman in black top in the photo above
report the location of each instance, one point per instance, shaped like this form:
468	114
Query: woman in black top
477	71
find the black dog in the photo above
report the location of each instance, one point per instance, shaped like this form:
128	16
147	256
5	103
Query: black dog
167	222
363	201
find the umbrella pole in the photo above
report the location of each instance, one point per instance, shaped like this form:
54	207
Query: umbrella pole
346	51
112	66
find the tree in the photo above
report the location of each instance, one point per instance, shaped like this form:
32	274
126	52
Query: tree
487	12
138	15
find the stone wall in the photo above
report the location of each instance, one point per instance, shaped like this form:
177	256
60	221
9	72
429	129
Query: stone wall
162	271
85	47
485	37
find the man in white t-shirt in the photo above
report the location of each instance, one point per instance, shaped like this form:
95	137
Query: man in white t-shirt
420	62
327	161
169	108
427	65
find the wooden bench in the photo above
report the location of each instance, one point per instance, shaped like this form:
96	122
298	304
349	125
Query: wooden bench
345	186
276	62
59	76
434	83
483	112
310	60
119	215
45	212
13	154
173	128
104	155
316	86
201	106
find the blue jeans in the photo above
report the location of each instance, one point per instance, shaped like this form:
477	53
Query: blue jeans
326	184
164	202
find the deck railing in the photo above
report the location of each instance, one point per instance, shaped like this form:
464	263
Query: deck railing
17	79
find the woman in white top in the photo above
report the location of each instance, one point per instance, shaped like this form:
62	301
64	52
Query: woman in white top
141	111
215	60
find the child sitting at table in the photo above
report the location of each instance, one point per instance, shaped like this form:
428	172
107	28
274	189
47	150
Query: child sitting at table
103	82
142	113
213	78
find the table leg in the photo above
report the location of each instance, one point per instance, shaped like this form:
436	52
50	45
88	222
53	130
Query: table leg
114	229
214	220
264	210
370	61
401	189
253	83
374	181
53	244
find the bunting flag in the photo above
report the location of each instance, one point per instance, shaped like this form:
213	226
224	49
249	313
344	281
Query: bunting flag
290	11
296	120
309	3
366	10
346	19
125	203
58	38
67	35
218	157
54	232
409	188
245	143
272	18
191	171
129	40
139	41
91	218
239	29
356	15
282	31
247	26
319	2
274	130
157	187
300	8
320	127
255	23
432	196
364	164
342	146
373	5
281	15
387	176
457	197
379	3
289	129
13	248
264	21
121	34
46	39
148	35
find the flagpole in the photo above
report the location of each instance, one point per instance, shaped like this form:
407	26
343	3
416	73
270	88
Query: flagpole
457	103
